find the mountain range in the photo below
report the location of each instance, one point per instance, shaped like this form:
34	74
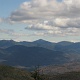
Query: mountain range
31	56
39	52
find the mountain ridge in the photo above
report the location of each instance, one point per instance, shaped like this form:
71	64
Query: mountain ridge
31	56
53	53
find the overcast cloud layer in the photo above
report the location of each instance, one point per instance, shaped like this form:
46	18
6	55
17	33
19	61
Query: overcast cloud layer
49	17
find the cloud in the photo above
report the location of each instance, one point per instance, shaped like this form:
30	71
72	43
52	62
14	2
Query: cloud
19	34
11	32
39	26
1	20
39	34
67	22
6	31
35	10
49	17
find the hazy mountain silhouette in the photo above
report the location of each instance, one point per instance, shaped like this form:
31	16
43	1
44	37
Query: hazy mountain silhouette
38	52
31	56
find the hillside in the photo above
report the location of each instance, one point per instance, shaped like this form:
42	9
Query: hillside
60	69
31	56
7	43
65	76
11	73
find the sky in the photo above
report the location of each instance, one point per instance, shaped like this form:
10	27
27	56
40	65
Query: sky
29	20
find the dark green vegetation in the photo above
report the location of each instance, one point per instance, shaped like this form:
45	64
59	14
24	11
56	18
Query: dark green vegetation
65	76
11	73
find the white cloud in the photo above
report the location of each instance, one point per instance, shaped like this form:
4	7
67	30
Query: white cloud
67	22
36	10
61	22
39	34
39	26
49	17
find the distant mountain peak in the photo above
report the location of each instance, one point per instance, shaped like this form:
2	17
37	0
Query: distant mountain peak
41	41
65	43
